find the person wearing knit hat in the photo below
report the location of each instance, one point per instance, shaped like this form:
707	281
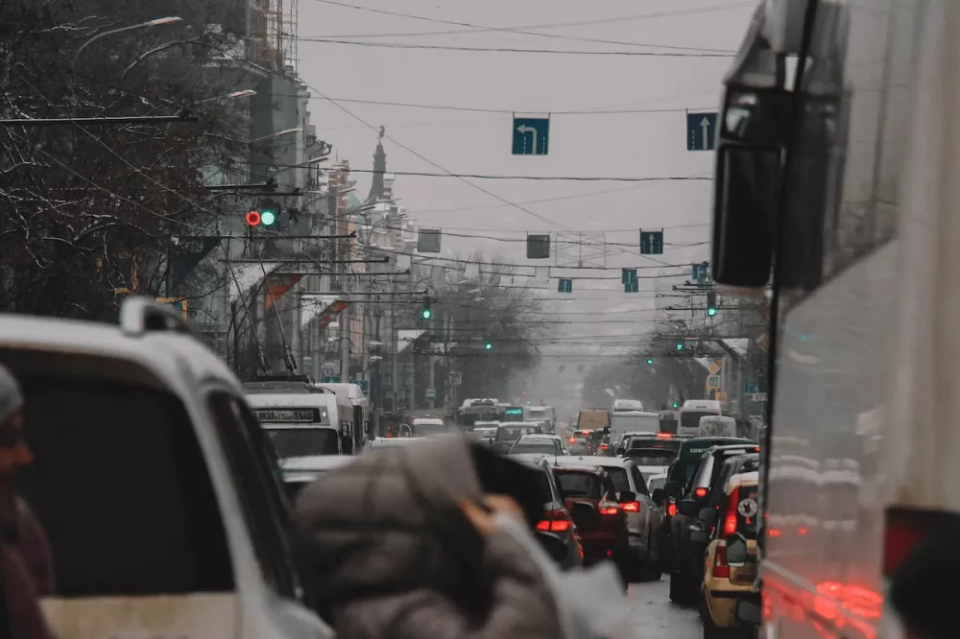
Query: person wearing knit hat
26	568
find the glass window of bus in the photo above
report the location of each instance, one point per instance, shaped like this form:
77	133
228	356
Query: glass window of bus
304	442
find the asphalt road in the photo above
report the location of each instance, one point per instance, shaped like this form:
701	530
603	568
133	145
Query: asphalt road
655	617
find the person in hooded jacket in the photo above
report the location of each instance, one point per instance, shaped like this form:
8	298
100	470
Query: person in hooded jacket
406	544
26	569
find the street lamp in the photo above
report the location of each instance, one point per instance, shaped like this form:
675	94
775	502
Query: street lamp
245	93
275	135
143	25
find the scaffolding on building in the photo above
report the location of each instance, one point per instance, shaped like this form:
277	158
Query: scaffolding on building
274	34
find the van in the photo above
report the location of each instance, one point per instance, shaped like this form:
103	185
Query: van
717	426
156	487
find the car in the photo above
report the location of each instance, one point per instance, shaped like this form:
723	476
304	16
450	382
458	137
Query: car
552	437
579	443
591	496
534	444
687	549
652	461
509	432
557	522
665	441
483	434
730	569
644	517
427	426
153	481
656	482
300	471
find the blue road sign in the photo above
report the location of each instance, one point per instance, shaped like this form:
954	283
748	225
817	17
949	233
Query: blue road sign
531	136
565	286
628	275
651	242
701	131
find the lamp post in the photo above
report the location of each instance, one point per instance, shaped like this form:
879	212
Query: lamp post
143	25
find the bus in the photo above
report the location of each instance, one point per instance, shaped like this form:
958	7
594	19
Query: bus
302	420
479	409
861	447
545	414
691	412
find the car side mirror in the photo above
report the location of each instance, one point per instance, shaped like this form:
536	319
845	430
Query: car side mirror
736	550
672	489
627	496
585	515
688	508
554	547
706	515
658	496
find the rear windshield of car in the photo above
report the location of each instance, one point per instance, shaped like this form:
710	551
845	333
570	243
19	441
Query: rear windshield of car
585	485
653	484
693	449
121	486
533	448
304	442
508	433
619	477
423	430
672	445
651	457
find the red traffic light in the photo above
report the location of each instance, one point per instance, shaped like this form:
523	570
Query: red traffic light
253	218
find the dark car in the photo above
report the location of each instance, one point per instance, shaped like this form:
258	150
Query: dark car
557	522
509	432
664	441
590	494
679	474
689	532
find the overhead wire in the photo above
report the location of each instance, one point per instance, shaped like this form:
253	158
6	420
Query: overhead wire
440	47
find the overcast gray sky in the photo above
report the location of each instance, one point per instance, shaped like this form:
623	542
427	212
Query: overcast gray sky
624	145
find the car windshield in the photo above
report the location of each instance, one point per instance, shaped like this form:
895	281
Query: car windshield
619	477
656	482
509	433
651	456
525	448
304	442
425	429
585	485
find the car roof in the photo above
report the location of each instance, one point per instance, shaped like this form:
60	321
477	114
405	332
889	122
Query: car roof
540	436
591	461
584	468
166	355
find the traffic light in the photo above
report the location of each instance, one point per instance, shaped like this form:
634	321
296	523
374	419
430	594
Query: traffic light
679	346
264	217
676	404
650	361
426	312
488	346
711	304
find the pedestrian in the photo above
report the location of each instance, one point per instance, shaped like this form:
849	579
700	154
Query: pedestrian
26	569
924	589
406	545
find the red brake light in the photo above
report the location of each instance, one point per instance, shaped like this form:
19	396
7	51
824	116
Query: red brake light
773	532
543	525
672	510
756	448
604	447
730	521
664	436
720	568
700	492
610	510
559	525
557	521
572	440
631	507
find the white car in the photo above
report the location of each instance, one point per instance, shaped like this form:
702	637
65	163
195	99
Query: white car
560	441
155	484
644	518
300	471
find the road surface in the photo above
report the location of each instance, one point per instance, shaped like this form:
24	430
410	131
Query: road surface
655	617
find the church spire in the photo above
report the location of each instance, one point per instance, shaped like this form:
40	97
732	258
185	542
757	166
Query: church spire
379	169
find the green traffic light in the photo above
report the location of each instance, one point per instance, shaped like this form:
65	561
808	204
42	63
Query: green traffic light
679	346
711	312
427	313
676	404
650	361
488	346
267	217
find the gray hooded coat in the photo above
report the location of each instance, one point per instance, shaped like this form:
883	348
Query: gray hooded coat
389	554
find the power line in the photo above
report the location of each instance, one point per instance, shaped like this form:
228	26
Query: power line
438	47
521	31
453	107
554	25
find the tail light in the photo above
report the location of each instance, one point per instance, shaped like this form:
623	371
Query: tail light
631	507
721	569
700	492
572	440
604	447
730	521
672	509
557	521
609	508
664	436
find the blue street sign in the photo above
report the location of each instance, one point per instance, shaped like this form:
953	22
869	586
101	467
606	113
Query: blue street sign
651	242
628	275
531	136
565	286
701	131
